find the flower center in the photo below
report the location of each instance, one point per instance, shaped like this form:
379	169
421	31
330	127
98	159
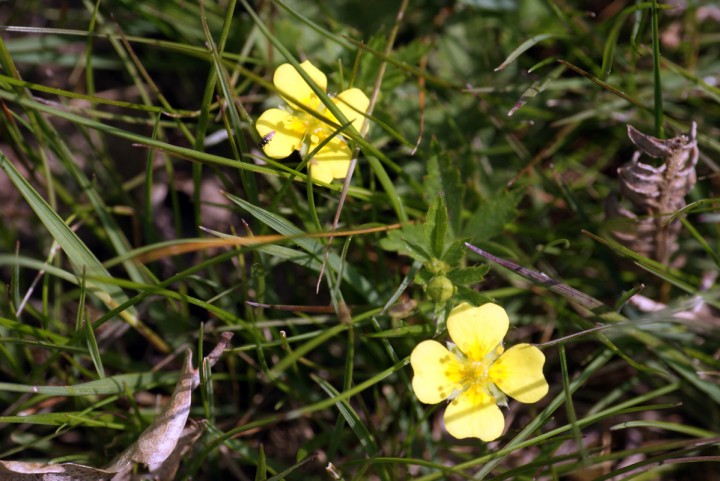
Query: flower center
312	128
472	374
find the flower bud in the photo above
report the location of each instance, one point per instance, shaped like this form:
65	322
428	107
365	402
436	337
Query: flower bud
440	289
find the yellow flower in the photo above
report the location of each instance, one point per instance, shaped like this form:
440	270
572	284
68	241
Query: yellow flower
477	373
294	128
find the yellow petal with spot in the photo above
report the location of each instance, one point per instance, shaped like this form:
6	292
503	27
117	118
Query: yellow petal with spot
477	330
289	132
353	103
474	414
291	85
331	162
435	372
518	372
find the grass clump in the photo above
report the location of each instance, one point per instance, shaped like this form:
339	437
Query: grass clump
141	217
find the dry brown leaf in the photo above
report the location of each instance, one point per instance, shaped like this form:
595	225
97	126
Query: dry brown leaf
161	445
655	193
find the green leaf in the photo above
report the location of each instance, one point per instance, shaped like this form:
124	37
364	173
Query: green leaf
490	218
468	276
408	241
455	253
473	297
435	228
443	181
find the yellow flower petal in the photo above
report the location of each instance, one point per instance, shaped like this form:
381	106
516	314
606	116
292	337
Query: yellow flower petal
477	331
290	84
289	132
474	414
353	103
518	372
435	372
331	162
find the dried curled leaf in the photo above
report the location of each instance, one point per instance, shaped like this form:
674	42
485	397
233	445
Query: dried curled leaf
161	445
655	192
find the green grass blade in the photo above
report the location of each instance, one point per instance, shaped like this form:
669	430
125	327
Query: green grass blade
81	258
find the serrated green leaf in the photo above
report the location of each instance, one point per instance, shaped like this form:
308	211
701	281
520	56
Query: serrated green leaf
473	297
443	180
490	218
469	275
416	251
455	253
435	228
408	241
423	277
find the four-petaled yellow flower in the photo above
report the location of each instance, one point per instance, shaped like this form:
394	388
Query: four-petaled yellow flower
295	128
477	373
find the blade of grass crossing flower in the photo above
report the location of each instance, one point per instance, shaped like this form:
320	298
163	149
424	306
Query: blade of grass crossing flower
80	256
372	153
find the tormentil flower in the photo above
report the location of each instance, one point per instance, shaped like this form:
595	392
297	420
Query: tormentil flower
297	129
477	373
